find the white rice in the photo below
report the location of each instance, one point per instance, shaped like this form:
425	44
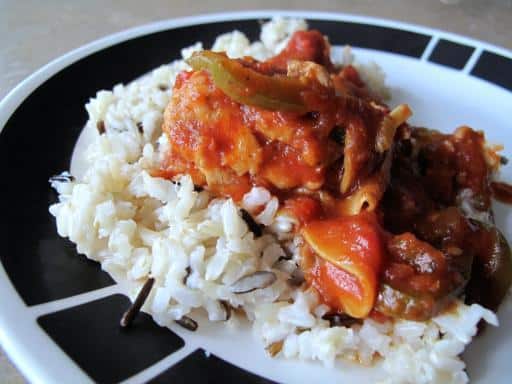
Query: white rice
196	247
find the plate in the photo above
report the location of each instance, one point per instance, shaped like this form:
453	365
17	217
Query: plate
60	313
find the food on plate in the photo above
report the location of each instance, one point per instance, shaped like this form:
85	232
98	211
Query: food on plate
271	182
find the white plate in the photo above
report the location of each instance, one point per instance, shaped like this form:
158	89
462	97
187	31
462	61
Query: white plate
440	96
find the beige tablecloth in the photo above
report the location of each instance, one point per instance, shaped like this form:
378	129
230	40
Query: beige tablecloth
33	32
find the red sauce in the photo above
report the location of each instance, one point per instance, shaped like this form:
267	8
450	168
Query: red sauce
303	208
416	240
305	46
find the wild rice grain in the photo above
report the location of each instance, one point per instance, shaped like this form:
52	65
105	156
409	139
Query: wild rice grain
256	280
134	309
64	177
100	126
340	320
254	227
187	323
227	309
188	271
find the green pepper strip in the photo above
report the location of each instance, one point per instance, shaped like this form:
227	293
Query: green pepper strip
488	285
395	303
246	86
418	307
398	304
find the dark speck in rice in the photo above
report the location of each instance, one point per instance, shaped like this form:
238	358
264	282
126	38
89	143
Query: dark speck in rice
254	227
187	323
100	126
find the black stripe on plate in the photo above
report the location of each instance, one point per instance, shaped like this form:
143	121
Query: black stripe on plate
494	68
90	334
372	36
199	367
451	54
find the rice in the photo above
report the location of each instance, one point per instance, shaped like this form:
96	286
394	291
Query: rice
196	246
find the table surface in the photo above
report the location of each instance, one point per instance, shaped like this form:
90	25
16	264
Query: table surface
35	32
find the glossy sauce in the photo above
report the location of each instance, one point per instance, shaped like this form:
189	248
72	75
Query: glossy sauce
410	257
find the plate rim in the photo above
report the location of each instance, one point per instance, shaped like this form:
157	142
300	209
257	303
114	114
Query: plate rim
16	95
25	358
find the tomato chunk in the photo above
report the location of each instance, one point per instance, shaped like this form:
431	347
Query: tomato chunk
350	252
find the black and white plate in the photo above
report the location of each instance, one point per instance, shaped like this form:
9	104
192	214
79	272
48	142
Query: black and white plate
59	315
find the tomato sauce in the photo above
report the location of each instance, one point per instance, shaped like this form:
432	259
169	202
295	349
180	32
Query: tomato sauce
409	257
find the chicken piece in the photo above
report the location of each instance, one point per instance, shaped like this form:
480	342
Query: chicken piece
206	128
